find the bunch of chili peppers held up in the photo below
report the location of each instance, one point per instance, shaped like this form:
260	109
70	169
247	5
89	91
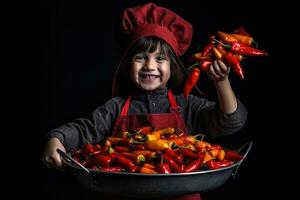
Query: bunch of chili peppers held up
231	48
149	151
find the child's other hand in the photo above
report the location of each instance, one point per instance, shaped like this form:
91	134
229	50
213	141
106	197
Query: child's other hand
51	158
218	71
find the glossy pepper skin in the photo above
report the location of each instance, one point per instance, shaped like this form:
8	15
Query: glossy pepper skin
227	38
193	166
245	50
232	156
191	81
235	64
163	168
211	164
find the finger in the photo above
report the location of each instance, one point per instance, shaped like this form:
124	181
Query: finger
47	163
224	68
217	69
212	72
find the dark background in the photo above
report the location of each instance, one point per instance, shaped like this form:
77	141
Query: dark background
78	47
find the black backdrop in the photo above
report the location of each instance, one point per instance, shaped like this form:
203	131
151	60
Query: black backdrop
78	48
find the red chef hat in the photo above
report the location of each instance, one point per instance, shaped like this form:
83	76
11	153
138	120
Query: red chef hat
152	20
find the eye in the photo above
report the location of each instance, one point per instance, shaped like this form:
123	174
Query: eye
161	58
138	58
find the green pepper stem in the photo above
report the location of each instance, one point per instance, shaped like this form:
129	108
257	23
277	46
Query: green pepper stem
193	65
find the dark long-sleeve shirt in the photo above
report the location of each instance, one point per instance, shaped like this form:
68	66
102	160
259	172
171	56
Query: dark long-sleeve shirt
199	114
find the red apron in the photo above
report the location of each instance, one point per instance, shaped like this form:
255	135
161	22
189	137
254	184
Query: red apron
127	122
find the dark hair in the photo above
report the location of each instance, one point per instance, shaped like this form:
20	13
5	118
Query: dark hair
124	84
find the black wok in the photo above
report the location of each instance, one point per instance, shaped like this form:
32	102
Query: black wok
153	185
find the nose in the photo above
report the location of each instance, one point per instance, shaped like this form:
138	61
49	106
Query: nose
150	65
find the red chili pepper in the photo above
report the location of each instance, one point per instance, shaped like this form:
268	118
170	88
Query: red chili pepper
145	130
235	64
121	149
112	169
101	160
211	164
163	168
207	49
173	155
89	148
187	153
172	163
193	165
126	163
245	50
204	64
232	156
191	81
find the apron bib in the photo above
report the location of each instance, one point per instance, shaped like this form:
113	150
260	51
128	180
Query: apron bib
173	119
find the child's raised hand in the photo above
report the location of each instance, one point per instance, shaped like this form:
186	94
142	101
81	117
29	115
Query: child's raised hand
51	158
218	71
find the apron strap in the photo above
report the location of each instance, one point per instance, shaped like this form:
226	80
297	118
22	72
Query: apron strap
171	98
173	103
125	108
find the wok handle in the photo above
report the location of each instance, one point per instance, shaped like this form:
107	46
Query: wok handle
71	160
245	147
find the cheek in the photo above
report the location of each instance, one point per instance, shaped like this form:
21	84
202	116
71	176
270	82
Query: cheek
133	73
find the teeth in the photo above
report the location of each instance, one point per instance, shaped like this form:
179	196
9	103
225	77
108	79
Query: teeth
149	77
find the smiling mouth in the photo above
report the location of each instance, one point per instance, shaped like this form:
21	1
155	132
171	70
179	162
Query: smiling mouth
148	77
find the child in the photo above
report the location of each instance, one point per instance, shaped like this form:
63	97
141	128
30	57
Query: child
148	75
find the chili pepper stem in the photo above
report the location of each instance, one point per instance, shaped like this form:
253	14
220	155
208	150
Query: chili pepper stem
218	41
193	65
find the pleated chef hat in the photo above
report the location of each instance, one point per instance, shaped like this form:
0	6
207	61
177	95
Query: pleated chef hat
152	20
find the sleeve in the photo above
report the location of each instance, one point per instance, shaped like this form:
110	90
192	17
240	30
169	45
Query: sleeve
208	117
93	129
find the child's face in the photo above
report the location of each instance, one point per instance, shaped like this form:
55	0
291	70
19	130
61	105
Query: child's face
150	71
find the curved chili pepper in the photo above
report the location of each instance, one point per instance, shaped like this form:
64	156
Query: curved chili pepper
227	38
211	164
112	169
126	163
173	155
121	149
191	81
207	49
193	165
218	54
163	168
242	49
243	39
235	64
232	156
172	163
101	160
187	153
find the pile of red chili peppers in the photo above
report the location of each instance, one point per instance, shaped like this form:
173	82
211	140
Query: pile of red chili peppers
149	151
231	48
